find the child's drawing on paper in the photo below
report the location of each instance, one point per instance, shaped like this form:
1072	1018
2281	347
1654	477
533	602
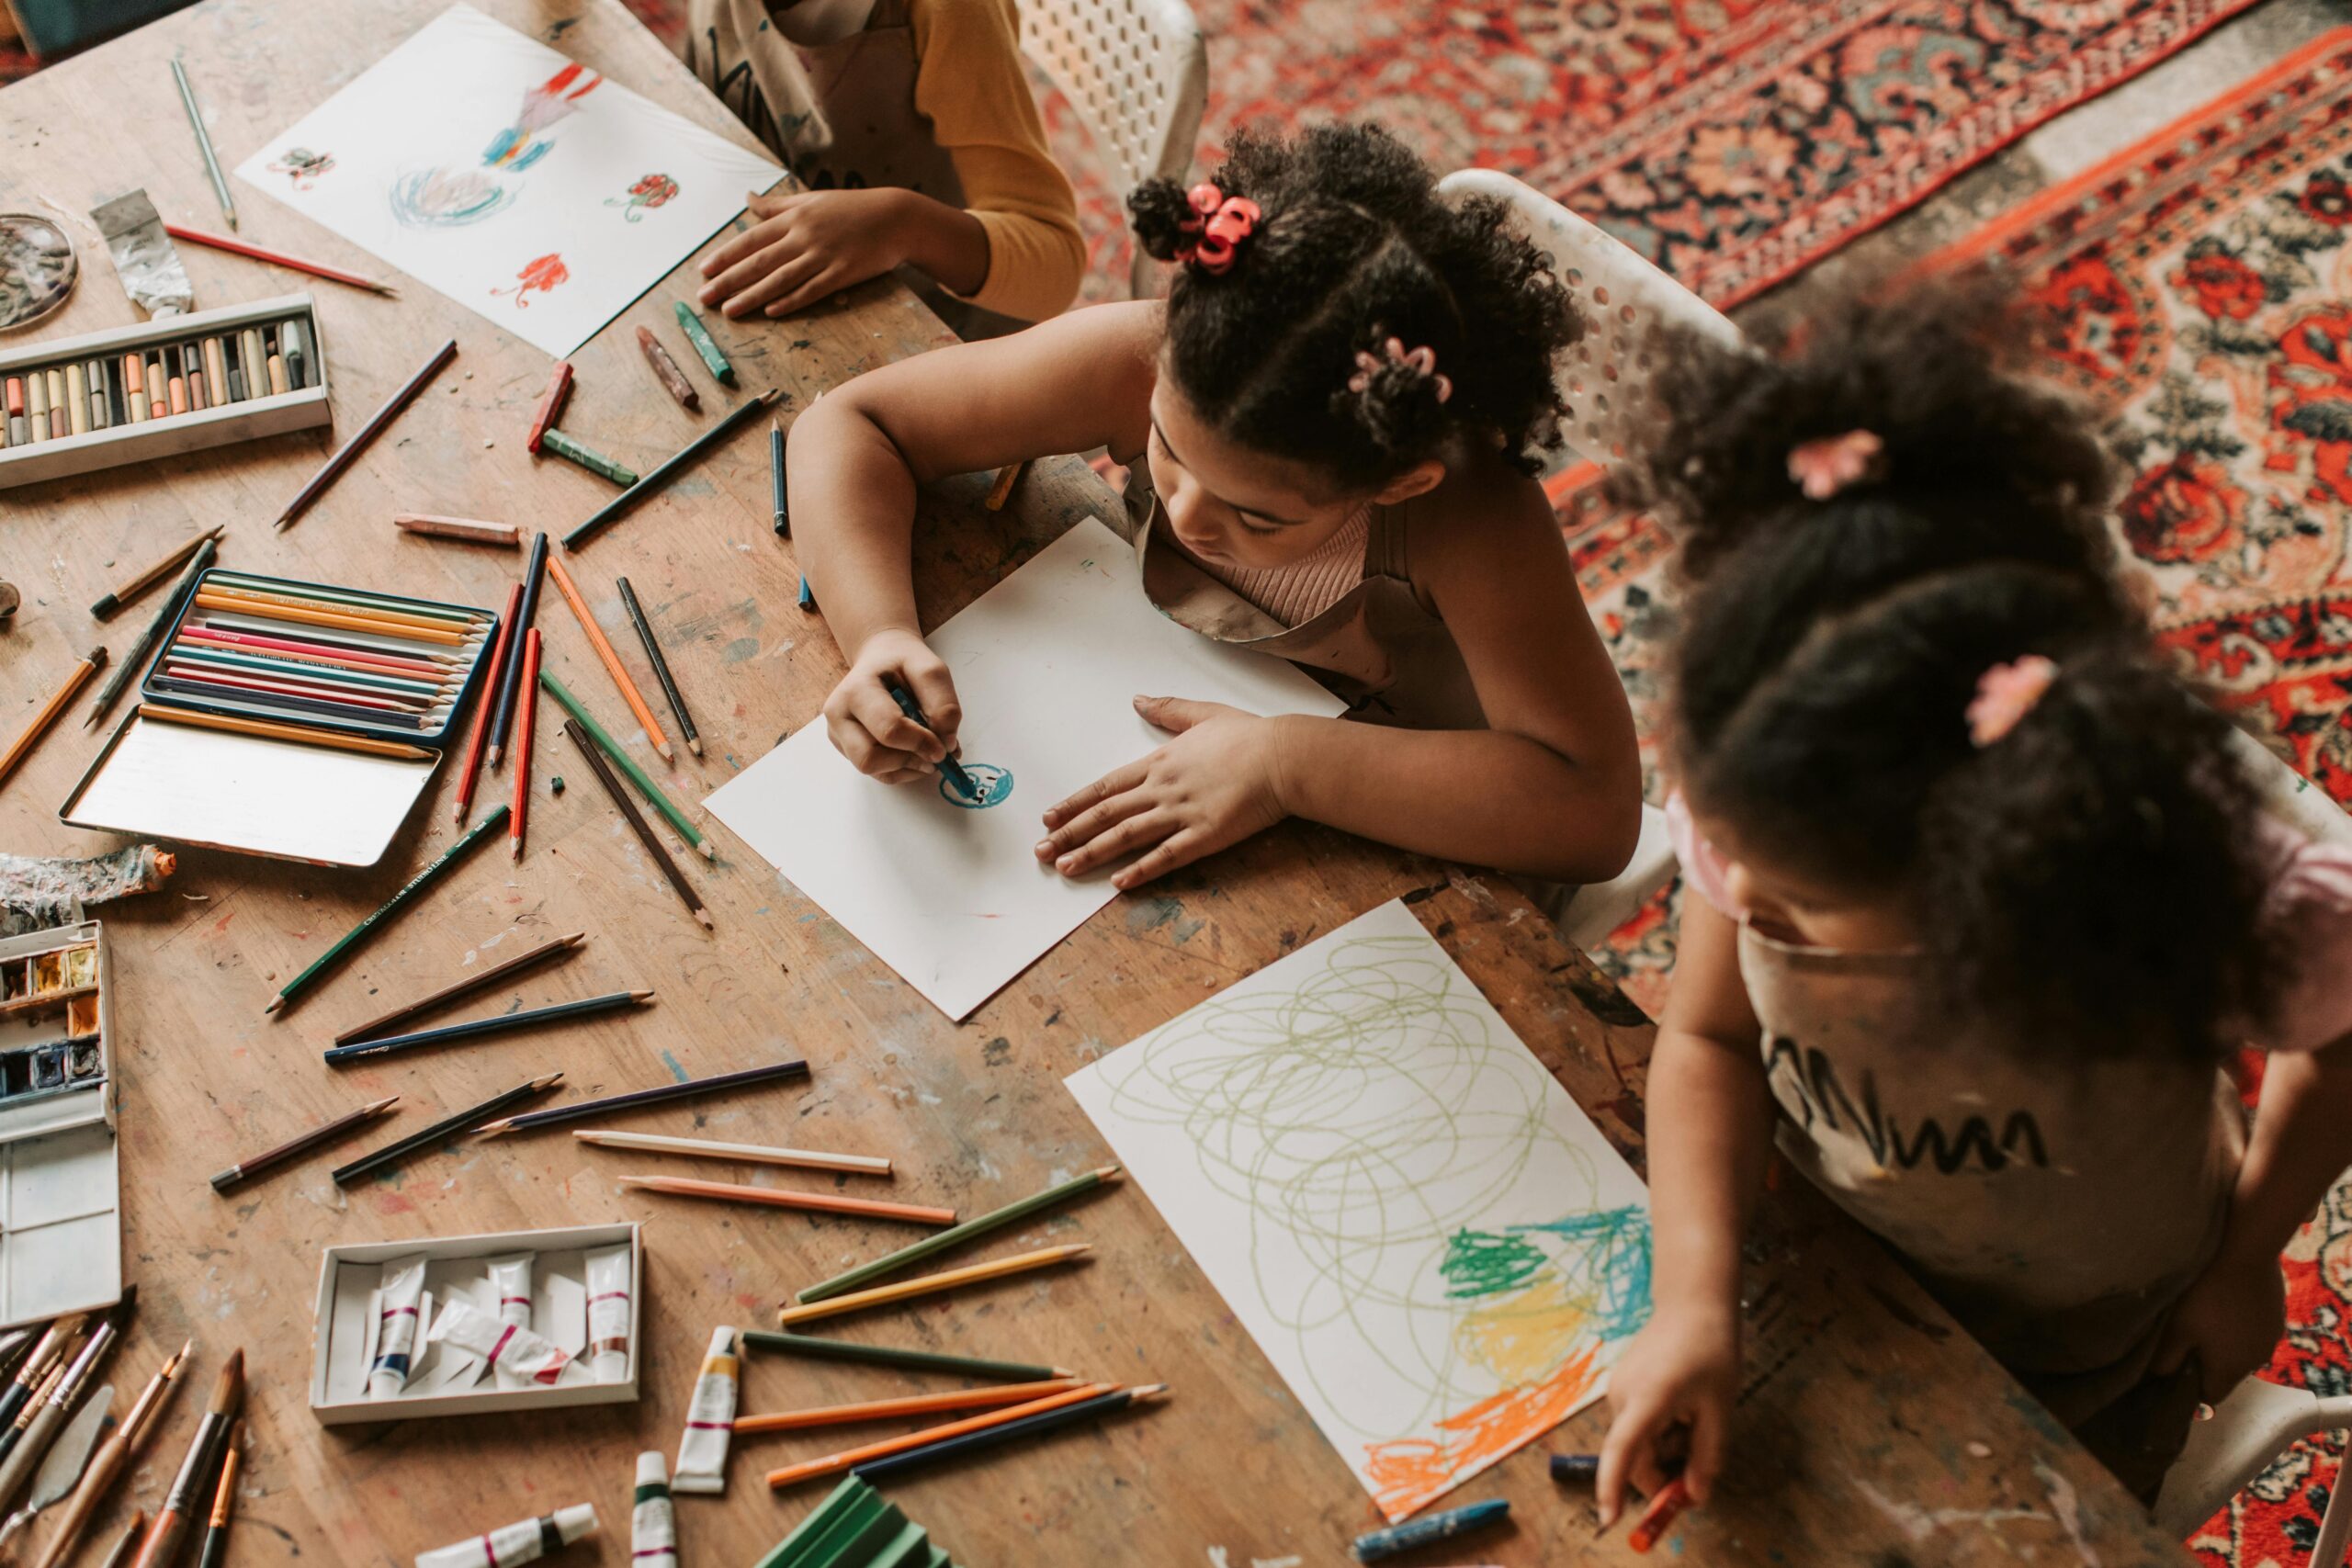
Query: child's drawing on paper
1424	1234
523	143
541	276
302	166
993	785
448	198
647	193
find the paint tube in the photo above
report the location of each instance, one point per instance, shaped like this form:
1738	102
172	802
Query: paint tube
145	260
509	1280
403	1288
502	1345
608	1313
525	1540
710	1420
653	1529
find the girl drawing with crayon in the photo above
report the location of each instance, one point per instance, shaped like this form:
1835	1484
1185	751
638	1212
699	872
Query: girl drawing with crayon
1330	425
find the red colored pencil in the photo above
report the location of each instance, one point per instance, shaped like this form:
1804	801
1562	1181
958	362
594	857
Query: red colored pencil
239	247
287	688
486	702
550	405
528	706
205	631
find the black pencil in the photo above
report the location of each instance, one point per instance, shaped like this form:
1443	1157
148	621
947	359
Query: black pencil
127	671
660	665
253	1164
502	718
448	1127
349	451
812	1346
560	947
636	1098
776	477
637	825
182	686
685	456
1028	1427
497	1023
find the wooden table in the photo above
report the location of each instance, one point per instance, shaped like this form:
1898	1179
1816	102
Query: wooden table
1873	1431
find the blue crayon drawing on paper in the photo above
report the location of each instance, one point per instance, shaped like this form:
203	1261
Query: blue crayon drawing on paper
994	783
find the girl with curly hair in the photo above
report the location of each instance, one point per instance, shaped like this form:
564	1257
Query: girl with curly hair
1330	426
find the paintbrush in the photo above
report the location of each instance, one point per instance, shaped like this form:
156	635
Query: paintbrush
46	1417
113	1456
37	1365
61	1471
162	1546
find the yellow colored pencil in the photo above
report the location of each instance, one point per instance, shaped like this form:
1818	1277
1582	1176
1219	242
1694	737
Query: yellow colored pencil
971	1274
209	600
916	1404
296	732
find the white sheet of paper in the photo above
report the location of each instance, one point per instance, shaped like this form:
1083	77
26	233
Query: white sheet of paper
1048	664
1427	1238
549	218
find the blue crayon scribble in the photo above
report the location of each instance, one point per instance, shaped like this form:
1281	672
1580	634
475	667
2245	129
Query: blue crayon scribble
994	783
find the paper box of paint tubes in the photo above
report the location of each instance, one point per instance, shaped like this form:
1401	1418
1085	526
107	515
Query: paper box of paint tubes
459	1325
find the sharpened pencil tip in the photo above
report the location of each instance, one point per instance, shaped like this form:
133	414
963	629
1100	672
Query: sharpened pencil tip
707	852
704	916
643	996
275	1003
694	746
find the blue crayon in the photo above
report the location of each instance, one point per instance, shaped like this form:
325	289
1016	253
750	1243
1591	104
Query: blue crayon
807	599
1437	1526
947	765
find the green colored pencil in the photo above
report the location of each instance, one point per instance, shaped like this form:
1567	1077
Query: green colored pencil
442	863
699	336
866	1274
818	1348
627	764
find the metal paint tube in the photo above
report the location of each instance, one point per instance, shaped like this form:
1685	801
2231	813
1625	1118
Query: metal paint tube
608	1313
502	1345
653	1527
510	1278
403	1286
525	1540
710	1420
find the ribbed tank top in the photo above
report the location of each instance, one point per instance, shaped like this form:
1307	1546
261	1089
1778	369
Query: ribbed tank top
1296	593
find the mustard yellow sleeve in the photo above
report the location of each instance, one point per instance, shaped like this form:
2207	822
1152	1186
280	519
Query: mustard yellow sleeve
969	85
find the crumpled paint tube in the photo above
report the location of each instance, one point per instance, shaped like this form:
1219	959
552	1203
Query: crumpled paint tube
511	1277
525	1540
502	1345
145	257
608	1313
37	894
710	1420
403	1288
653	1527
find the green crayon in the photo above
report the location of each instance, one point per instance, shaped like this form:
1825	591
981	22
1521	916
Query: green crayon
699	336
588	458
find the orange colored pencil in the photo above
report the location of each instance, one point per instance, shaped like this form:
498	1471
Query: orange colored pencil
571	591
917	1404
782	1197
488	700
265	600
524	720
833	1464
209	600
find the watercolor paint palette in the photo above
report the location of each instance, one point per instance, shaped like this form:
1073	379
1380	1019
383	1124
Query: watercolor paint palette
165	388
60	1230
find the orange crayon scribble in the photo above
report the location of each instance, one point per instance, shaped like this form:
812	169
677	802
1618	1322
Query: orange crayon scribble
1409	1473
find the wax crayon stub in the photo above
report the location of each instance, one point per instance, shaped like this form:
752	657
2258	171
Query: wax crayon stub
1413	1533
1659	1516
1576	1467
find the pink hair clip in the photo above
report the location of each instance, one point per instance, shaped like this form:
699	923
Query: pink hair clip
2006	693
1822	467
1423	360
1222	223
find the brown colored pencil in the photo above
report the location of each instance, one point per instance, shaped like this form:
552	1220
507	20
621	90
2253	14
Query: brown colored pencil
783	1198
915	1404
349	451
302	734
928	1284
161	1546
666	371
129	591
637	825
487	700
550	408
253	1164
91	664
833	1464
560	947
526	724
660	666
629	694
506	534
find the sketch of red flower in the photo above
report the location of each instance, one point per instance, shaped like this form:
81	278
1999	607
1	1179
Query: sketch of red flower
541	274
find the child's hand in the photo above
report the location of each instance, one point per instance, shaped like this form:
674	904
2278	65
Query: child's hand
2230	1320
805	246
1215	784
1682	1370
867	724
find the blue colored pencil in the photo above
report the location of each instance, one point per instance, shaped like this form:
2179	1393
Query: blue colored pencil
511	679
947	765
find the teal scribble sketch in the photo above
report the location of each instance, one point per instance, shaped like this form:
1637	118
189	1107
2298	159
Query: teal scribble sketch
994	784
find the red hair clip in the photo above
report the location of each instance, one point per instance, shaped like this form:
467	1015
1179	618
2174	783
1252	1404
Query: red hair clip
1222	223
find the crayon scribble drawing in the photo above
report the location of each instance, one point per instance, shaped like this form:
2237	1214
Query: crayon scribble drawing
448	198
1434	1247
651	191
302	166
993	784
541	276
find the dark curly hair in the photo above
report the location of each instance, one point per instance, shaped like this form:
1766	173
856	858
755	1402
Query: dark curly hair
2095	876
1354	246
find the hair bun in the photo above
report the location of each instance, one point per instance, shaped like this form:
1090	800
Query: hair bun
1400	405
1159	210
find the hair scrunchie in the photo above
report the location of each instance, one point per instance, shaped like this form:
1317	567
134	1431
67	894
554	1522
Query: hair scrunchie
1220	223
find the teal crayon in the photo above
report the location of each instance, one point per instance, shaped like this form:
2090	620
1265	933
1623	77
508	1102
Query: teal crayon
1372	1548
699	336
947	765
807	595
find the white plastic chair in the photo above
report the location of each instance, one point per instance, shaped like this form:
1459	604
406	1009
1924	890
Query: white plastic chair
1137	74
1605	382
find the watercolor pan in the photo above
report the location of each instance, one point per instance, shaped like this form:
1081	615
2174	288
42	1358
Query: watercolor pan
61	1246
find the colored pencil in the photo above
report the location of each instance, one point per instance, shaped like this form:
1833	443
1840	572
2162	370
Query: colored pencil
627	764
224	692
90	664
525	617
685	457
637	825
127	671
1010	1432
776	478
439	866
352	601
119	1556
429	666
349	451
203	144
505	535
948	766
490	682
661	1094
384	703
551	406
978	1225
1376	1544
833	1464
473	1028
161	1546
215	1550
704	343
126	593
928	1284
110	1458
278	258
660	665
612	661
562	947
1002	491
525	729
422	658
782	1197
448	1127
665	370
325	1132
813	1348
284	607
573	450
216	657
913	1405
749	1154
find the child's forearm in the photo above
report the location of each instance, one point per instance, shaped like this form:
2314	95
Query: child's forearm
1708	1113
2300	1142
853	508
946	241
1487	797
